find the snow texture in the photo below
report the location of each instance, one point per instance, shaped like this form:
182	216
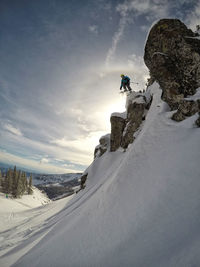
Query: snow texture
139	208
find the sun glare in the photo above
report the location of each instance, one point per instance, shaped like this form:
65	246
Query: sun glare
117	106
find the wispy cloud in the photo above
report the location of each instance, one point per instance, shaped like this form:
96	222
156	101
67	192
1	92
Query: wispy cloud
83	144
115	40
35	165
152	9
93	29
12	129
44	160
193	18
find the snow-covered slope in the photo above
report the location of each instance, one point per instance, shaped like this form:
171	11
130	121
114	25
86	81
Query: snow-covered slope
24	218
139	208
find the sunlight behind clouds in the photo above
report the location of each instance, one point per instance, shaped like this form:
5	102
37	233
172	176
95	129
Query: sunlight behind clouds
60	72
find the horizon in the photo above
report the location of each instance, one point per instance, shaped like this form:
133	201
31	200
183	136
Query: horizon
60	74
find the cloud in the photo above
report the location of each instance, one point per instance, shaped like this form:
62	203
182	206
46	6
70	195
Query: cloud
44	160
12	129
35	165
115	40
93	29
152	9
193	18
84	144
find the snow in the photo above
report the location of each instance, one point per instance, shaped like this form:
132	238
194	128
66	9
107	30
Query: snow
197	37
195	96
139	208
159	53
23	218
135	97
120	115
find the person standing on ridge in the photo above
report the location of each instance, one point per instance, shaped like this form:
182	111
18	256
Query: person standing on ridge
125	83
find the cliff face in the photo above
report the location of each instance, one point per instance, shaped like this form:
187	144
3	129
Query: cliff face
172	54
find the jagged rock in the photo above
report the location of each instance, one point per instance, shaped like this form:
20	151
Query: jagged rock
172	55
123	126
178	116
104	144
135	114
117	128
83	180
186	108
198	121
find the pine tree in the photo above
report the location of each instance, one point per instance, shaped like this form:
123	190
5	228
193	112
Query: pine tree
1	181
14	182
19	188
8	182
23	178
30	190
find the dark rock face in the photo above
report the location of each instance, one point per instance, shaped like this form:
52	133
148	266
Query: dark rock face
134	119
117	128
104	144
83	180
173	58
123	129
186	108
198	121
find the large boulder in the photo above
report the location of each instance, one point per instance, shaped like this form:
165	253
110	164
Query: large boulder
135	115
118	123
124	125
104	145
172	54
186	108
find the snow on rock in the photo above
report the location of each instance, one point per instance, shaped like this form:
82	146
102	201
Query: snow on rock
195	96
119	115
104	145
139	208
135	97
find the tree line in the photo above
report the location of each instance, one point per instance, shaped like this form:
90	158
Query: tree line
15	183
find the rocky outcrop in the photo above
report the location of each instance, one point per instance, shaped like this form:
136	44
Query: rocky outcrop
186	108
118	123
198	121
83	180
135	115
124	125
104	145
172	54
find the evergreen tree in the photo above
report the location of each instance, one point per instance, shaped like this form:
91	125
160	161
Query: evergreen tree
8	182
19	187
1	181
30	190
24	188
14	182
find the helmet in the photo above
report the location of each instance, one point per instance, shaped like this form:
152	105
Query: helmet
122	75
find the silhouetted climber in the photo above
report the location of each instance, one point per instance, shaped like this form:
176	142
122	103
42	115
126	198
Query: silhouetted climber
125	83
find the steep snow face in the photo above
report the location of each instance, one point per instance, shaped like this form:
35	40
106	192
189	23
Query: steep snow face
139	208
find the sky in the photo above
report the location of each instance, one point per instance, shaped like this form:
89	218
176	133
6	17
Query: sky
60	66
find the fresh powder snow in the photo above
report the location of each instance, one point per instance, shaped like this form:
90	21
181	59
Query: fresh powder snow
139	208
